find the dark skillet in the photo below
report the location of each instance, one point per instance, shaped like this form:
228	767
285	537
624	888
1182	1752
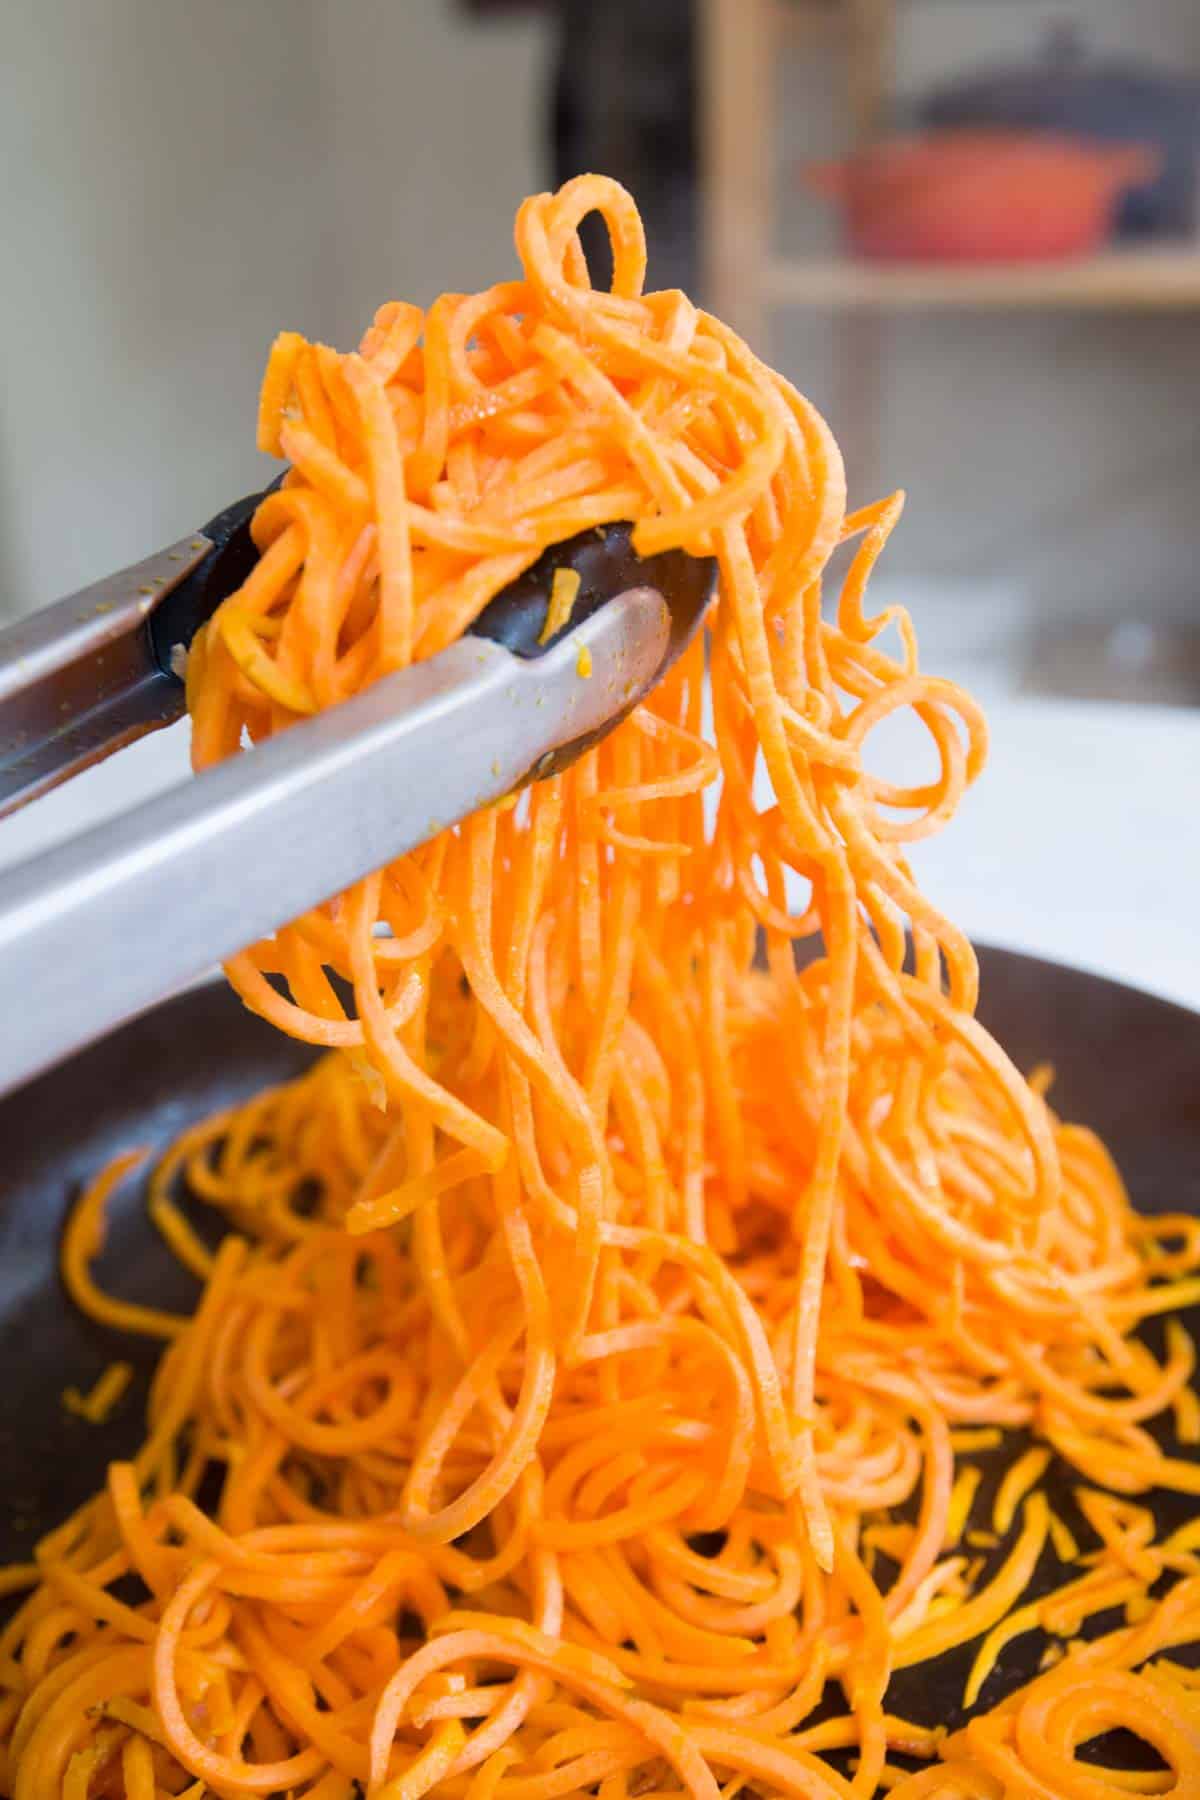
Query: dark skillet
1127	1064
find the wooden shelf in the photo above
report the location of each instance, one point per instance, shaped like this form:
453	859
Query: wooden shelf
1164	278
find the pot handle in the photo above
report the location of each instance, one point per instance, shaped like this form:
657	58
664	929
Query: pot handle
1134	165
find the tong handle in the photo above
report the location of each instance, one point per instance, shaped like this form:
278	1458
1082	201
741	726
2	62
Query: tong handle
85	676
79	679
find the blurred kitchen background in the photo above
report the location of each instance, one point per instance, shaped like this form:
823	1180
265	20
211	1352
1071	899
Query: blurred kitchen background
968	229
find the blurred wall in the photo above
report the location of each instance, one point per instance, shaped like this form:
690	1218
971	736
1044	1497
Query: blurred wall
164	195
434	133
183	180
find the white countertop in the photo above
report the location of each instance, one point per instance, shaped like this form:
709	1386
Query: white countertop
1080	841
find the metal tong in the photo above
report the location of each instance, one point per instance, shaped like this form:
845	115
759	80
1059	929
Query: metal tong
97	929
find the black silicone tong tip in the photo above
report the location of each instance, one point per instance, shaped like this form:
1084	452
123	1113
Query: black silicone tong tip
193	601
603	558
607	565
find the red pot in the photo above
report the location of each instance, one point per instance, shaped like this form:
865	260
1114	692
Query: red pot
982	196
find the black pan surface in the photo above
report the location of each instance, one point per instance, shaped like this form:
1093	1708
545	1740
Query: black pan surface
1127	1064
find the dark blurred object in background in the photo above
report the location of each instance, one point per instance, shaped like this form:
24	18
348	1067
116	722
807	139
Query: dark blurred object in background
1113	101
1152	663
624	104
